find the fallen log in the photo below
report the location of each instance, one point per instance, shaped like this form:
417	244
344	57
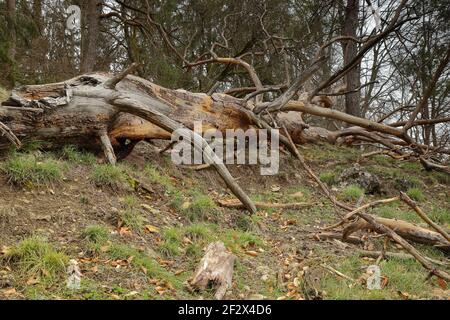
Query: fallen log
396	255
216	269
265	205
404	229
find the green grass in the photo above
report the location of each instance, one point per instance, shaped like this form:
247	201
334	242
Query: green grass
130	216
441	177
406	276
36	256
394	211
201	234
74	155
142	260
28	169
236	240
169	249
199	231
174	194
440	216
201	208
383	160
170	246
416	194
328	177
352	193
107	175
96	236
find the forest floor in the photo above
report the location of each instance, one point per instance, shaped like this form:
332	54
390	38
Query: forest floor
144	240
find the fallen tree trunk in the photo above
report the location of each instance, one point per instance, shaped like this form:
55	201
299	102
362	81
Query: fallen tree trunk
404	229
111	113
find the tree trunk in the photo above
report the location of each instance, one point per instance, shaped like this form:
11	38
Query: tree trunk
216	268
11	14
352	79
90	35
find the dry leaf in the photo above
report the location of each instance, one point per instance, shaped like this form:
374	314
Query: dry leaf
441	282
151	229
297	195
275	188
186	205
9	292
32	281
252	253
124	231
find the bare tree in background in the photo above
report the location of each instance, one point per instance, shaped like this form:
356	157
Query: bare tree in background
91	35
352	78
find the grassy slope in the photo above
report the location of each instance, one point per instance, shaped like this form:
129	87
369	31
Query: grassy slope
137	245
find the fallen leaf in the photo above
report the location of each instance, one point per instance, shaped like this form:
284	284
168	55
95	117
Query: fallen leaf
442	283
160	290
185	205
297	195
152	229
403	295
32	281
275	188
252	253
124	231
9	292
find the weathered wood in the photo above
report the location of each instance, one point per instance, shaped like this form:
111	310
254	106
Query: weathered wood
129	108
107	147
404	229
215	268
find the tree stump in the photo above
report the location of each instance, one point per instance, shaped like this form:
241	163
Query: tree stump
216	269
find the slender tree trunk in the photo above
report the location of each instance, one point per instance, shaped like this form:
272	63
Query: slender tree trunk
352	79
89	43
11	12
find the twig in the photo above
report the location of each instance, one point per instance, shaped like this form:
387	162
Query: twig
265	205
397	255
111	83
404	197
10	135
359	209
340	274
394	236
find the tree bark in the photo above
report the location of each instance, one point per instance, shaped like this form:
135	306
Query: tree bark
216	267
352	78
11	13
90	35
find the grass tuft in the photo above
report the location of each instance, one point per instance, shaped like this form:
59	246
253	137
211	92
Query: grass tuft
74	155
352	193
107	175
96	236
36	256
416	194
27	169
328	177
202	208
131	217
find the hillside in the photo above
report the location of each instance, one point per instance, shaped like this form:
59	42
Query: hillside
138	230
